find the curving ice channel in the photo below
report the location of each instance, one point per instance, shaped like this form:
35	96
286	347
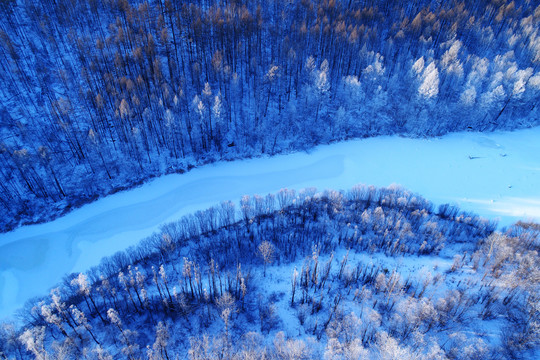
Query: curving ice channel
496	175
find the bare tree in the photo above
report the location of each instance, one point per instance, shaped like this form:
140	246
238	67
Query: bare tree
266	251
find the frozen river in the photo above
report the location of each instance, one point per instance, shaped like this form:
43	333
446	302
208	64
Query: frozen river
496	175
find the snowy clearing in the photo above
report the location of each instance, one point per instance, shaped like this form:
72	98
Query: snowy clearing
496	175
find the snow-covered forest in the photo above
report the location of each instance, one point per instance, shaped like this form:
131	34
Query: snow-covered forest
363	274
98	96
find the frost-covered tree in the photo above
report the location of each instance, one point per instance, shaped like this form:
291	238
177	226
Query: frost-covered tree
266	251
429	87
33	341
130	348
159	348
288	349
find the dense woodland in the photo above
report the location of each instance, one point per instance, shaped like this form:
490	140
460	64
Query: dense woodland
96	96
363	274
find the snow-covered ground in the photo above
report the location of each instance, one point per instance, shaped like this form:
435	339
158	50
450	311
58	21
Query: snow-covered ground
496	175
